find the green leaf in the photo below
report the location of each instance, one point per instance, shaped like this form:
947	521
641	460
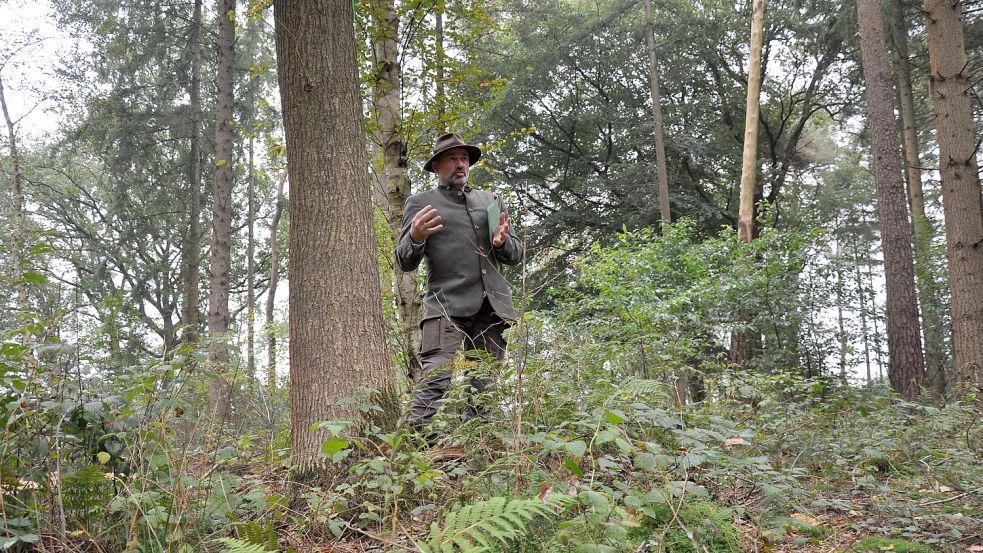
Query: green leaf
614	417
334	445
573	467
576	448
34	278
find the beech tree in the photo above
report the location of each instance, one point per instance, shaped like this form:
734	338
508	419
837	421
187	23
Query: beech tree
337	342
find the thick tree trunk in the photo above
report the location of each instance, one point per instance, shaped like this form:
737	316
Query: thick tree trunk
906	370
660	148
386	96
274	281
959	169
744	342
220	255
337	341
17	197
191	246
928	294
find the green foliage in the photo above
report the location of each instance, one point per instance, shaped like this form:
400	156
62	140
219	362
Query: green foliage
704	527
233	545
491	525
877	545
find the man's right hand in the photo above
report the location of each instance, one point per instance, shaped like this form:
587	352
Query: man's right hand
425	222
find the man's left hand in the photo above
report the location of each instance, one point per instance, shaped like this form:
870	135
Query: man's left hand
502	233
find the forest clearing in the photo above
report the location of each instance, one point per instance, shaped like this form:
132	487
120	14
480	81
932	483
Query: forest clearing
608	276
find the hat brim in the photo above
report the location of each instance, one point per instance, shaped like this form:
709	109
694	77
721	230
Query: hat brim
474	154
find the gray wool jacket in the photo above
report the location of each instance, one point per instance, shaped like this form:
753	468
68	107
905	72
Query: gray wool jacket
462	266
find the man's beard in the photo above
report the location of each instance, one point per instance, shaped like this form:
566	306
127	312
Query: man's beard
457	181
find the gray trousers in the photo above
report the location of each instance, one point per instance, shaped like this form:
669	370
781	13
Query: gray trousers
442	338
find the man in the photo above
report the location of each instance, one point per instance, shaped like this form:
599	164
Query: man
463	234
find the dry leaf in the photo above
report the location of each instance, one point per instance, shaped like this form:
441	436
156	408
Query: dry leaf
730	442
945	489
886	547
854	513
806	519
975	548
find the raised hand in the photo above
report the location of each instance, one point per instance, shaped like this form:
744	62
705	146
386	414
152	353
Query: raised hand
502	233
425	222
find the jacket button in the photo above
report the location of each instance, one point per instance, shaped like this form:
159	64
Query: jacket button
483	271
476	227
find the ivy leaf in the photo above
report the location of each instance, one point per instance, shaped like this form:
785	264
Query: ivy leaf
334	445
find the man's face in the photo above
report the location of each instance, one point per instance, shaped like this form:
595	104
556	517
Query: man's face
452	167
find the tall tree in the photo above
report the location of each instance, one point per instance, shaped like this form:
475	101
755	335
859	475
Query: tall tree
220	255
17	197
337	342
743	342
191	245
274	281
660	148
390	138
928	295
906	370
959	169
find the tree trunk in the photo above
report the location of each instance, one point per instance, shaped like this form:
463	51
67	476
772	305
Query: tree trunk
220	255
274	280
441	99
337	339
660	149
191	246
961	198
17	197
386	97
250	266
743	342
928	295
906	370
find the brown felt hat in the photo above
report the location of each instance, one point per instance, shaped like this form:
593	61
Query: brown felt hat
450	141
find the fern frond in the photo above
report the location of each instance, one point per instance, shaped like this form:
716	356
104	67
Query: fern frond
233	545
486	526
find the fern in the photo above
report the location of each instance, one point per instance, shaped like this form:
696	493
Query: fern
489	525
233	545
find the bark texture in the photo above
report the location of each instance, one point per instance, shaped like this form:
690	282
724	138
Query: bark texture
191	247
928	290
959	169
744	342
220	254
389	137
337	342
906	370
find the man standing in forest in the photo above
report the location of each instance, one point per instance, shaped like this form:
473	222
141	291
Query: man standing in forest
464	234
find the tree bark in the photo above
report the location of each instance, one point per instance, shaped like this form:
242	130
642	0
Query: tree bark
387	97
743	342
250	265
961	195
907	369
928	294
220	255
17	196
660	148
191	246
337	341
274	281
